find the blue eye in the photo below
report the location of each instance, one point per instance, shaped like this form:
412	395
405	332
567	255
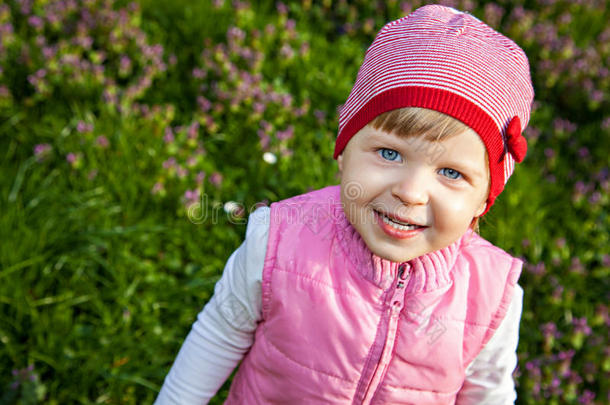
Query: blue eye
389	154
451	173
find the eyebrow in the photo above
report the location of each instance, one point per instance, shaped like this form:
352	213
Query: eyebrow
379	135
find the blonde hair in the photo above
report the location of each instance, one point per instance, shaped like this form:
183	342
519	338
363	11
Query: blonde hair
413	121
432	125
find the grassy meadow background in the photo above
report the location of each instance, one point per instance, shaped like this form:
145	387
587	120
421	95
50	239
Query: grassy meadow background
115	117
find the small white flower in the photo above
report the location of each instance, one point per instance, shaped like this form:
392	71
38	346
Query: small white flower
230	207
269	158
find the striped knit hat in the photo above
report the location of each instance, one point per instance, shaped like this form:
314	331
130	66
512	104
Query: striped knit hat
445	60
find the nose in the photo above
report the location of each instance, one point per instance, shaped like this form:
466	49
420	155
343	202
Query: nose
411	187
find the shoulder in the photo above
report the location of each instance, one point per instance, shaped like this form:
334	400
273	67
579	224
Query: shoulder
492	276
476	247
258	222
311	209
326	194
487	261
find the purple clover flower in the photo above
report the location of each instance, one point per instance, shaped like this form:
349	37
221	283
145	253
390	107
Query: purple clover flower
286	100
320	115
169	163
42	151
168	137
181	172
26	6
102	142
586	398
282	9
549	330
35	22
557	293
563	125
191	161
216	179
125	64
157	188
84	127
533	367
286	134
597	96
199	73
560	242
581	326
264	139
583	152
239	5
566	355
193	130
235	34
210	124
269	29
595	198
581	188
258	107
576	266
493	14
192	195
538	269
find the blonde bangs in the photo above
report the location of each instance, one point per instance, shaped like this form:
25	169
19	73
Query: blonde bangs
413	121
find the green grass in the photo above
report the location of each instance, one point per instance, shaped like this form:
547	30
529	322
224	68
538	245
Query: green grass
101	279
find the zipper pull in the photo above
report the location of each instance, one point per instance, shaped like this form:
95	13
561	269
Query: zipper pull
401	276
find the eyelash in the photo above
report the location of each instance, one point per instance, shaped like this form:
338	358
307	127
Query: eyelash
443	171
459	175
381	150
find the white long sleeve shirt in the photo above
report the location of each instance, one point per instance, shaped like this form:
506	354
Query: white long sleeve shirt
224	331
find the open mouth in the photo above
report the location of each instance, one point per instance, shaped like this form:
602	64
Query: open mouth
400	225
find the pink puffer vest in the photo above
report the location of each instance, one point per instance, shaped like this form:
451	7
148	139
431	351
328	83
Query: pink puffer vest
343	326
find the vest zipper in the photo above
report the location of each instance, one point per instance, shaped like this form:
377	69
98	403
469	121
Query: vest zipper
395	304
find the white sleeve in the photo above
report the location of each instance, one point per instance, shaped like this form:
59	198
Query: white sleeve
224	330
489	377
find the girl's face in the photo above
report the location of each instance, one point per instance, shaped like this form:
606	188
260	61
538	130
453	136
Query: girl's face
407	196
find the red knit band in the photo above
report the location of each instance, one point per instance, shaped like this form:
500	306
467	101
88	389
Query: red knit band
442	101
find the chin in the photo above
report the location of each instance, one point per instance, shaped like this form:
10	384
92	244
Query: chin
393	255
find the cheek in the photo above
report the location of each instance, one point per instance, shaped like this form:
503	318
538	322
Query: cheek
361	184
457	206
455	213
352	190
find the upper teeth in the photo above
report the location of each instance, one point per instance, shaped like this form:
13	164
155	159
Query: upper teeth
399	225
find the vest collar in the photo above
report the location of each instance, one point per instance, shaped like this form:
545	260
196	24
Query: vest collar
428	272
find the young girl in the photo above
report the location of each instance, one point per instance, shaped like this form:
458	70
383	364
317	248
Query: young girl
378	291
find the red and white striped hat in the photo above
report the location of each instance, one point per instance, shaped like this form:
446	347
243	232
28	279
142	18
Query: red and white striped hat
445	60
